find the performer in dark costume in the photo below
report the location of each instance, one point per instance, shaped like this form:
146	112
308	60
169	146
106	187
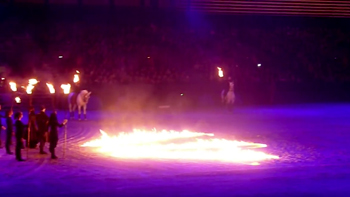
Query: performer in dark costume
53	136
19	135
42	121
32	129
9	131
1	128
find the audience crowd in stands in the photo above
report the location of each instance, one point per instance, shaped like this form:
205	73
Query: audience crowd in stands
164	53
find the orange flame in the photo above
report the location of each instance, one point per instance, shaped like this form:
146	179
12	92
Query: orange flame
33	81
30	87
220	72
76	78
18	100
153	145
13	86
51	88
66	88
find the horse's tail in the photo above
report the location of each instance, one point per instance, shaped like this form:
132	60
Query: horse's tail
70	98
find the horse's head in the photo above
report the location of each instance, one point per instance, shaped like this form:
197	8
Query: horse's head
85	96
231	84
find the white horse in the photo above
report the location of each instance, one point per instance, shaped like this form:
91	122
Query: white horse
78	100
229	97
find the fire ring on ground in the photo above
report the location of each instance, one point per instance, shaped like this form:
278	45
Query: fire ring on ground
184	145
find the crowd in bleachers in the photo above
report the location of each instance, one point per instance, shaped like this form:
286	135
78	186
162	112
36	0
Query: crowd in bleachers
108	53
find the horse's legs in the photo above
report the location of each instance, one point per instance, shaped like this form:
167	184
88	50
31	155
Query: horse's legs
84	109
230	101
73	110
79	111
70	110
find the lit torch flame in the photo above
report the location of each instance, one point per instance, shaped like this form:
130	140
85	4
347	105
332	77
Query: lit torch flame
220	72
66	88
51	88
29	89
18	100
152	145
76	78
13	86
33	81
30	86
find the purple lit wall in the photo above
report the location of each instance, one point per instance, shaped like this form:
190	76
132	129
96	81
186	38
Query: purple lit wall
273	7
328	8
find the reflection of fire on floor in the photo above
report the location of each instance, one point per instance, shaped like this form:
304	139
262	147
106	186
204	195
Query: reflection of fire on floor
185	145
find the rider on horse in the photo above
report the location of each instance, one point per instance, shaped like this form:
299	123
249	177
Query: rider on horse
227	93
227	84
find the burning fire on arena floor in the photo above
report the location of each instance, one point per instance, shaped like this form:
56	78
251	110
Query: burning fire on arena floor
185	145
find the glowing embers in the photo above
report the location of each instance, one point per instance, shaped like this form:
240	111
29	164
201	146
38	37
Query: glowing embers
185	145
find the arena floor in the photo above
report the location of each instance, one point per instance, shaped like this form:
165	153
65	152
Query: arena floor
313	142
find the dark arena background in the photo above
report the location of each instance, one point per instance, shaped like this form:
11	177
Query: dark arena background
160	75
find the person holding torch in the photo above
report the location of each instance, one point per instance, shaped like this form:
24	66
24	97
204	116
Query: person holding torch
53	136
32	129
226	86
9	131
19	135
42	121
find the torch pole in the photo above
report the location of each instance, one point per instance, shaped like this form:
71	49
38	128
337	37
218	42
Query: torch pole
53	101
65	141
29	125
13	100
66	110
30	100
28	140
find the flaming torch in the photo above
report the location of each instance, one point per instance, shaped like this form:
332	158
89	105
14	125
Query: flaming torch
66	91
29	89
13	87
33	81
220	72
66	88
52	92
76	77
18	100
51	88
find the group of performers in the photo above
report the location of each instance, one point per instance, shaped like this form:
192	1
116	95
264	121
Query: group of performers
40	129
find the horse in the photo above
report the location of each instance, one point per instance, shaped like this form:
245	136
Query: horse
78	100
229	97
